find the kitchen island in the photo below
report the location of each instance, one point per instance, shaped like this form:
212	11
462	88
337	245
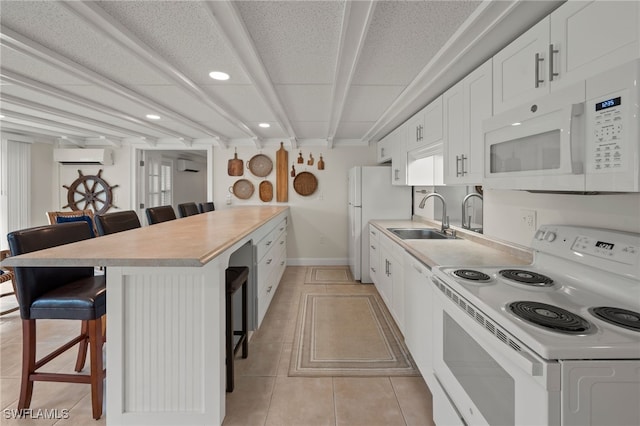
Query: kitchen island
165	309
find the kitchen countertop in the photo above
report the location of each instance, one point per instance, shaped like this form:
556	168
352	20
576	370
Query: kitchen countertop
190	241
470	249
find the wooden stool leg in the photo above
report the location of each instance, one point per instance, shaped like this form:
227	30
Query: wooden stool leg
245	322
28	362
229	341
82	349
97	373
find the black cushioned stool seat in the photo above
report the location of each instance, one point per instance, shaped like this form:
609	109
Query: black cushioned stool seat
236	279
112	223
68	293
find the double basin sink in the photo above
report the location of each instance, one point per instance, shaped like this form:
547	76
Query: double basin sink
420	234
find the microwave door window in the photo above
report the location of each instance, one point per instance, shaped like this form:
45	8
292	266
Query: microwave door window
531	153
489	386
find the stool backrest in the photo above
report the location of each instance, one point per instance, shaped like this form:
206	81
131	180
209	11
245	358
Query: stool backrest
73	216
33	282
187	209
117	222
160	214
206	207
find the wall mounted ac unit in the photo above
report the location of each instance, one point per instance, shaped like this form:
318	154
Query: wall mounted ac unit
188	166
103	156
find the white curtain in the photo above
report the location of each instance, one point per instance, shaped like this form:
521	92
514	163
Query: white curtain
15	187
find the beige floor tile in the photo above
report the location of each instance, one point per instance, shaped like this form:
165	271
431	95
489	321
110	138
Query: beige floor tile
262	361
82	415
302	401
366	401
271	330
248	404
9	391
285	359
415	399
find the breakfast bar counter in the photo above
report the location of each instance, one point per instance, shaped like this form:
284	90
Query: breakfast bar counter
166	310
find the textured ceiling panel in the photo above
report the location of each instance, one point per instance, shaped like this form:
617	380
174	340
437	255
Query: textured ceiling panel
17	62
297	40
244	100
405	35
306	102
183	33
310	130
53	25
353	130
367	103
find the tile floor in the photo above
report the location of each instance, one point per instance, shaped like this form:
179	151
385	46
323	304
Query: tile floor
263	395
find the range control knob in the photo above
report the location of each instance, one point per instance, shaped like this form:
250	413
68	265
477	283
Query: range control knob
539	235
550	236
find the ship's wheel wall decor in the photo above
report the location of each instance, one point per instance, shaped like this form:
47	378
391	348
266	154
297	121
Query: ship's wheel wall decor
90	191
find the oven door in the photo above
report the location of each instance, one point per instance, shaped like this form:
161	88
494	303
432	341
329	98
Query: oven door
487	379
538	146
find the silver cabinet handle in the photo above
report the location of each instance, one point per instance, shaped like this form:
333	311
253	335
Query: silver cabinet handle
458	159
397	171
462	159
374	270
537	69
382	152
269	261
268	243
373	247
282	263
269	289
552	51
282	242
389	273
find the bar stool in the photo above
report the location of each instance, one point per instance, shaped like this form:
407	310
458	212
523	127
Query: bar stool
117	222
187	209
160	214
68	293
206	207
6	276
236	278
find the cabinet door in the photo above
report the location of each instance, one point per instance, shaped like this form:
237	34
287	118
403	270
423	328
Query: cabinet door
396	272
399	156
415	130
417	320
592	37
374	254
455	133
384	149
433	123
520	69
478	107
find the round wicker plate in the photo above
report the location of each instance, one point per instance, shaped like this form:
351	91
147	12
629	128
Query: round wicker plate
260	165
305	183
242	189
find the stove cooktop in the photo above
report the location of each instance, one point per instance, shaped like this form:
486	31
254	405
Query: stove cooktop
571	302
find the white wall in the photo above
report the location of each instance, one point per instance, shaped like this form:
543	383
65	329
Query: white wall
318	228
43	187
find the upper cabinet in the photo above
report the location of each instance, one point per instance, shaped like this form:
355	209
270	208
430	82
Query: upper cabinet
578	40
465	106
425	127
399	156
384	149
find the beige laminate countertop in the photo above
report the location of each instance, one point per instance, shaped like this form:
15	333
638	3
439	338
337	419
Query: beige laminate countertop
191	241
470	249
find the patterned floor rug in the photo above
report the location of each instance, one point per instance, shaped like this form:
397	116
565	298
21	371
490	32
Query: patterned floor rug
348	335
329	275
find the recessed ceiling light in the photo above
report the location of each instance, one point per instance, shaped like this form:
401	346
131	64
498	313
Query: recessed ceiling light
219	75
516	124
264	125
153	117
1	116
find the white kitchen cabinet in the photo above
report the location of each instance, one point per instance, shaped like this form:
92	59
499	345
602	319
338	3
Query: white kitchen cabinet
576	41
418	333
384	149
399	156
415	130
271	256
374	254
425	127
466	105
391	278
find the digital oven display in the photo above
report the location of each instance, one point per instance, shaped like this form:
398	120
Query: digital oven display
608	103
603	245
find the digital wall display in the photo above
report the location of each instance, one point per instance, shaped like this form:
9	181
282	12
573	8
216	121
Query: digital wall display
603	245
608	103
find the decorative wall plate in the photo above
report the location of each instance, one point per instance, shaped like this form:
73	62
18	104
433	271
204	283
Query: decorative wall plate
242	189
305	183
260	165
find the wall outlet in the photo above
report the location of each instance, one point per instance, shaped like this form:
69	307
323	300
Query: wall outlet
528	219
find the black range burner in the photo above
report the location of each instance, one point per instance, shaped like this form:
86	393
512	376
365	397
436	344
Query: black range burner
470	274
618	316
527	277
550	317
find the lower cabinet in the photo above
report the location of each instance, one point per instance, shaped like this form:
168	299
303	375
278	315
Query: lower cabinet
374	254
391	280
271	256
418	332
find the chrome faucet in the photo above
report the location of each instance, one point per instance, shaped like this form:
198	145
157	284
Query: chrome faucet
464	210
445	218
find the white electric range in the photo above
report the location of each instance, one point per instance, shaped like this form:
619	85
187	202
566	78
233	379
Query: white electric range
554	342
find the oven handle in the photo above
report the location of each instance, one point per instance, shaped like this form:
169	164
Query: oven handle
524	360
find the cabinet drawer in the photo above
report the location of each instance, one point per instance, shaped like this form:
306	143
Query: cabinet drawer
270	239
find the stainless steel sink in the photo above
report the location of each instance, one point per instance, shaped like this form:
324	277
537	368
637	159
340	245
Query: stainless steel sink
420	234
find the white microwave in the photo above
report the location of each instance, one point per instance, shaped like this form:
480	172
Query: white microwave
584	137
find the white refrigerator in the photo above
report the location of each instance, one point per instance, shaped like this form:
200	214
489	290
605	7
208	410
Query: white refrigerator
372	196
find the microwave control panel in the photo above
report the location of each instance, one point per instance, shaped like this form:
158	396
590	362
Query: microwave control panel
608	128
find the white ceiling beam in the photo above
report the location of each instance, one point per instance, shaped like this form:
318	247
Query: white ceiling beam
28	47
226	16
44	122
14	100
79	142
355	25
20	129
20	80
294	143
116	142
95	16
257	142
